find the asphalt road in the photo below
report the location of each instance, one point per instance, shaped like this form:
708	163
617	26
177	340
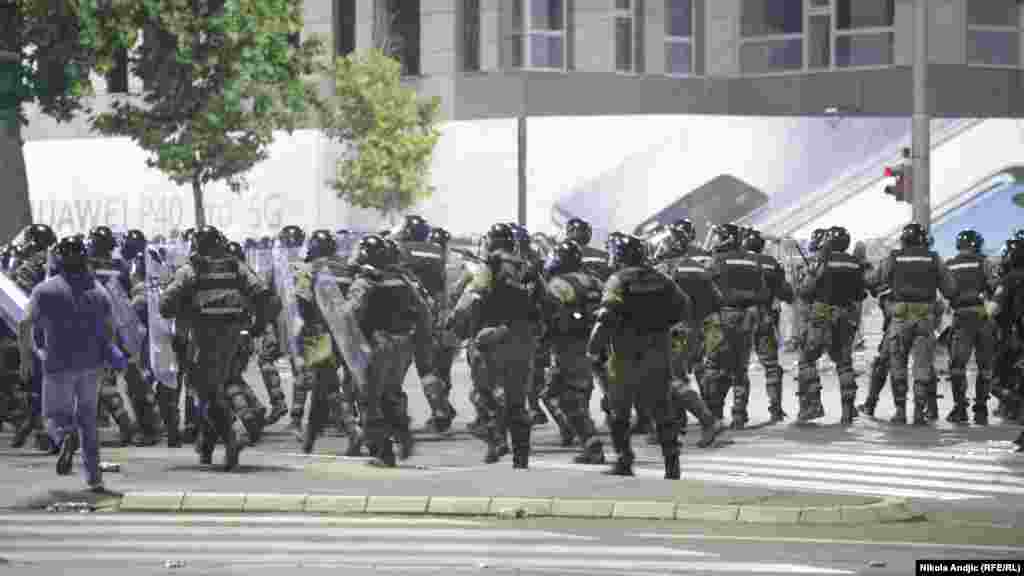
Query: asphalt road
223	545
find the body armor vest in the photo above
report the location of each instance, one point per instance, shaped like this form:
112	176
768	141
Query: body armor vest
392	305
773	277
971	283
740	279
842	280
693	279
595	263
428	262
588	290
513	294
915	275
648	300
218	288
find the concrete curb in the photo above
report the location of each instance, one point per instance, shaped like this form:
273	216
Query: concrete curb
885	510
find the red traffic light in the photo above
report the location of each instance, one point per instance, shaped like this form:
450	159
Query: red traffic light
889	173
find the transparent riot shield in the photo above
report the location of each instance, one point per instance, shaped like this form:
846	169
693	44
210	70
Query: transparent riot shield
162	359
13	302
126	322
261	260
289	323
352	343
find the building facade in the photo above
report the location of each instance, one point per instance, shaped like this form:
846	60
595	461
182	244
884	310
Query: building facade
506	58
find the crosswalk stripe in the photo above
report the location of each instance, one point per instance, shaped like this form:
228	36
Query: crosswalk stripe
879	474
898	465
957	547
949	455
751	477
200	540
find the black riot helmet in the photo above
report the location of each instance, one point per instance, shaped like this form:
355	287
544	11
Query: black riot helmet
914	236
440	236
208	241
235	249
579	231
1018	234
101	241
414	229
188	235
133	245
626	252
969	240
36	237
72	254
726	237
683	231
292	236
322	243
266	243
374	251
818	238
753	241
501	237
522	236
566	258
838	239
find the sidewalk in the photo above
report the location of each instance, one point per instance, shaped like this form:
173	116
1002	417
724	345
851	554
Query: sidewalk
166	480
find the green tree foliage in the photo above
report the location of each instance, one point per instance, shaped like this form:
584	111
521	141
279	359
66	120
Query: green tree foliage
388	134
220	77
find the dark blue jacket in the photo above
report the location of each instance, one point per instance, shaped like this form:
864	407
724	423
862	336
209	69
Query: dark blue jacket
69	315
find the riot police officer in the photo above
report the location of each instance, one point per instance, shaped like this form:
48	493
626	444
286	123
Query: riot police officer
1007	308
108	271
218	294
835	289
766	341
631	345
972	330
321	358
428	261
741	281
501	311
245	405
914	273
28	269
688	341
595	261
542	353
390	329
575	296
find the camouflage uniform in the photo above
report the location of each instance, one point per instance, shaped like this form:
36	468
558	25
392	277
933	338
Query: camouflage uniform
766	340
396	323
500	309
216	295
914	274
972	331
729	338
325	371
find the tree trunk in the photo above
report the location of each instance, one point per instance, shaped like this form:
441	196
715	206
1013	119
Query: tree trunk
197	199
17	211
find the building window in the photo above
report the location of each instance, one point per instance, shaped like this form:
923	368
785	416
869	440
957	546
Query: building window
994	29
345	27
819	41
864	33
536	36
629	40
397	32
679	37
771	36
471	35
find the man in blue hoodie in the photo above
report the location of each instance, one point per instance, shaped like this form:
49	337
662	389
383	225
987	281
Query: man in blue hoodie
72	327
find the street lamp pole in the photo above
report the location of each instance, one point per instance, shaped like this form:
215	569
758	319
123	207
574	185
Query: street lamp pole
921	139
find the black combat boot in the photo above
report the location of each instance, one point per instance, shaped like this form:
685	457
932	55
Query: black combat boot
980	414
168	401
932	408
672	471
900	415
620	439
849	411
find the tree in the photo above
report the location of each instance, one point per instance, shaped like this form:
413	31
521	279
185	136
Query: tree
388	134
45	60
220	77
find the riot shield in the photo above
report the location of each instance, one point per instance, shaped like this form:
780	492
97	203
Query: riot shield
352	343
261	260
162	360
126	322
12	303
289	322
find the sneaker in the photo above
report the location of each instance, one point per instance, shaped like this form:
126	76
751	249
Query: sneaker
67	454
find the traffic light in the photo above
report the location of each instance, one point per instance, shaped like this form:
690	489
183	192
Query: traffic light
901	189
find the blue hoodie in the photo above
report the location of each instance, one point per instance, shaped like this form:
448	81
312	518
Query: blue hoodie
69	313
